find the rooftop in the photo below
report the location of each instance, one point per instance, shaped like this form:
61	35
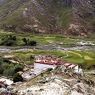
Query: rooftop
53	61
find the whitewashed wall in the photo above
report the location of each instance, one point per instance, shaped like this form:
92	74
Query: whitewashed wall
38	68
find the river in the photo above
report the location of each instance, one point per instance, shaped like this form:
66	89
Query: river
47	47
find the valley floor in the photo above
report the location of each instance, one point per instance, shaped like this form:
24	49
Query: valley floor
77	50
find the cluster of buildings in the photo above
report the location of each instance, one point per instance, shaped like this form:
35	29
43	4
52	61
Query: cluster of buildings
43	63
49	60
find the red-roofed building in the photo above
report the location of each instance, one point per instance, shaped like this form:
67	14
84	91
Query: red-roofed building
45	62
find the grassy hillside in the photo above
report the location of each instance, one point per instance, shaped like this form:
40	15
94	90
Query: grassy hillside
48	14
65	17
11	11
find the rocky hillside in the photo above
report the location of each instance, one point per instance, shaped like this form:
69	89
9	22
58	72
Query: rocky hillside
35	15
46	15
84	14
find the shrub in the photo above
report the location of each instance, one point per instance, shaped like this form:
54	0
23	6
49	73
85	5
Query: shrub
14	38
29	42
25	41
50	69
9	40
17	77
18	68
1	70
9	43
32	43
9	69
9	72
31	57
1	61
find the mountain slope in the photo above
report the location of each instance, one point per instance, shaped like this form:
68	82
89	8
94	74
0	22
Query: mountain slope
11	11
45	14
84	12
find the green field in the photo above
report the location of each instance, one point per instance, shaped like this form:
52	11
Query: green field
86	58
42	39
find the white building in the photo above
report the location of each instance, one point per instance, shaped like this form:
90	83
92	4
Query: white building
40	67
43	63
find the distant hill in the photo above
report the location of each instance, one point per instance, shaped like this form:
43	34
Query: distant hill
84	13
35	15
46	15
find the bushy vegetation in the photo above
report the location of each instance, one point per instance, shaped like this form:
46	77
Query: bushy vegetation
29	42
17	77
8	68
12	40
25	57
29	39
9	40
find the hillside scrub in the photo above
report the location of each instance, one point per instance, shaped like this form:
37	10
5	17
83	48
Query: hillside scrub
9	69
9	40
28	42
17	78
12	40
